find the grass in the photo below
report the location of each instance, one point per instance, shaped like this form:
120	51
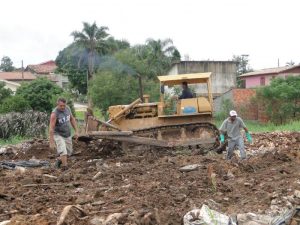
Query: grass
256	127
12	141
97	114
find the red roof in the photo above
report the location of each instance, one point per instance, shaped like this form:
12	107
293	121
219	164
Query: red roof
43	68
275	70
12	76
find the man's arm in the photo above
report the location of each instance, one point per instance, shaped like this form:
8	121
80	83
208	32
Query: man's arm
74	125
242	124
51	129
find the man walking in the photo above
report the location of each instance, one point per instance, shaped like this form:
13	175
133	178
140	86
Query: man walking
232	126
61	120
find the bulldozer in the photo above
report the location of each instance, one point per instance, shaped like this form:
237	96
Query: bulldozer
188	124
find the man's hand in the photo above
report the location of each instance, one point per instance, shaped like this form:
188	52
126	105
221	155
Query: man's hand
76	135
51	143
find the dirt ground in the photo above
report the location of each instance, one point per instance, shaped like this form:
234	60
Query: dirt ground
145	186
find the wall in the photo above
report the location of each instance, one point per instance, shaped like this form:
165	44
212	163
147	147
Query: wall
223	73
242	103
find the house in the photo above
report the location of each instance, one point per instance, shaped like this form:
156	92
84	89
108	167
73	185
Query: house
223	74
48	70
263	77
11	85
17	76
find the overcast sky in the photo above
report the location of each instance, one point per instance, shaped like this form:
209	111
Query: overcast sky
36	30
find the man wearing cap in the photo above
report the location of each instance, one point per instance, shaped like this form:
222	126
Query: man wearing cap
232	126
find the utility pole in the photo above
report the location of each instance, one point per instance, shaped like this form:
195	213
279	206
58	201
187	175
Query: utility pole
22	71
278	62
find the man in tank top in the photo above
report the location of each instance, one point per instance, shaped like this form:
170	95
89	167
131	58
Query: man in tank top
61	120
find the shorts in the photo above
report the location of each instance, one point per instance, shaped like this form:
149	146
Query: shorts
63	145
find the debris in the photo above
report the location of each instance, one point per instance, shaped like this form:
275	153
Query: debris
297	193
5	222
77	212
24	163
205	215
189	168
97	176
50	176
98	203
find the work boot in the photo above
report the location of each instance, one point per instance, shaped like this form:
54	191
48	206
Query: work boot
58	163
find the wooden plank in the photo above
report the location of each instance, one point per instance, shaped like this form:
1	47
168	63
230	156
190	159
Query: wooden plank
110	133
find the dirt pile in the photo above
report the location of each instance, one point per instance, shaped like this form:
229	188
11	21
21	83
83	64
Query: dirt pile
146	186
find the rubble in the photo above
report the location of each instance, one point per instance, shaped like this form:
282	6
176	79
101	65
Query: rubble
147	186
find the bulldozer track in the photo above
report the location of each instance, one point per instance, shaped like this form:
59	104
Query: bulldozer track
194	143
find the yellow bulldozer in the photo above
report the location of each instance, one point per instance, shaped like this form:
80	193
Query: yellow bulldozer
189	124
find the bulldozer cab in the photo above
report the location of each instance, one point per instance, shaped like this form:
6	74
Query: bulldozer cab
196	105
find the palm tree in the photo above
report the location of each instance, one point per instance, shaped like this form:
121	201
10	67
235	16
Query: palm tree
93	39
161	54
291	63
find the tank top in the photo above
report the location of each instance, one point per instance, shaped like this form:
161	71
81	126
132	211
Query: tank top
62	125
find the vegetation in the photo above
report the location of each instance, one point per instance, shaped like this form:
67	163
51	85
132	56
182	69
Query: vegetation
256	127
26	124
14	104
281	99
6	64
4	92
93	39
242	67
39	94
226	106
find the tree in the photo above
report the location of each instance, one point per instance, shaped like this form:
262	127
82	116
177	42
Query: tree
4	92
109	88
161	55
242	66
14	104
290	63
93	39
6	64
39	94
281	99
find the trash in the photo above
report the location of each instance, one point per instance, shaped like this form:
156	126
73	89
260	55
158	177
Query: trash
189	168
297	193
206	216
253	219
76	212
5	222
115	219
24	163
97	175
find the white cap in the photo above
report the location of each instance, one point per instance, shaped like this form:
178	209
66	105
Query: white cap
233	113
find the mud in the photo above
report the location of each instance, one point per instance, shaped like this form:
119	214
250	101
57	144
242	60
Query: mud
145	185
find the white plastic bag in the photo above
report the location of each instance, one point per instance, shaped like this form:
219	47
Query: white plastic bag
206	216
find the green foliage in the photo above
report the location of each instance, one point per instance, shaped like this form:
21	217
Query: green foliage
26	124
108	88
226	106
93	39
14	104
242	67
255	126
281	99
4	92
6	64
39	93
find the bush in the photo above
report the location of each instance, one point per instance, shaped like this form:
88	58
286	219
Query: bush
4	92
39	93
226	106
14	104
281	99
27	124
